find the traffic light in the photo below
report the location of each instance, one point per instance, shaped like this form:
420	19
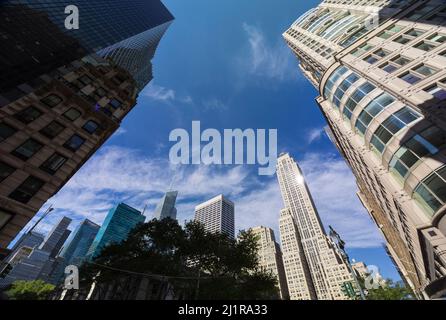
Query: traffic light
348	290
5	271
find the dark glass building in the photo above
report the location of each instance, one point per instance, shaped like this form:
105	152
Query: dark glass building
34	33
64	92
166	207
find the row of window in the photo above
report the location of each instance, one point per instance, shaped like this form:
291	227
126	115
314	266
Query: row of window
431	192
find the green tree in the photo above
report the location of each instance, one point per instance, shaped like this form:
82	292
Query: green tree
391	291
29	290
197	263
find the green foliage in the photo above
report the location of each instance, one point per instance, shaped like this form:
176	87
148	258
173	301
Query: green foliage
29	290
226	268
392	291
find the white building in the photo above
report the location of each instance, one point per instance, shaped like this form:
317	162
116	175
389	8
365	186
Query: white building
217	215
270	257
313	269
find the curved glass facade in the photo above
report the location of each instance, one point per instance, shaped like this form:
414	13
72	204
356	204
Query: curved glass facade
373	109
431	192
343	87
391	126
356	98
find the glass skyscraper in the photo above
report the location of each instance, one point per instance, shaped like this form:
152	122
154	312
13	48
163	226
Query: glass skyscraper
38	41
77	246
120	220
166	207
63	92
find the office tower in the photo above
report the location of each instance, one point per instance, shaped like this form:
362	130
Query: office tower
120	220
270	257
313	269
217	215
384	100
77	246
166	207
57	237
38	42
60	100
31	263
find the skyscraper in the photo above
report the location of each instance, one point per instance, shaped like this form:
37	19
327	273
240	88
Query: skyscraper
120	220
60	100
39	42
166	207
217	215
383	94
313	269
270	257
31	263
77	246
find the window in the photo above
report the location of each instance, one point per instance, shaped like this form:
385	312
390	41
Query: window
400	60
52	130
411	78
391	126
356	98
52	100
372	110
428	142
5	171
6	131
362	49
99	93
28	115
74	143
389	32
418	73
85	80
5	216
437	91
27	189
115	104
431	192
376	56
54	163
72	114
389	68
344	86
27	149
424	45
90	126
439	38
333	79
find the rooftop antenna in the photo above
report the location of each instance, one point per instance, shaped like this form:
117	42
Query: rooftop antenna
44	215
144	210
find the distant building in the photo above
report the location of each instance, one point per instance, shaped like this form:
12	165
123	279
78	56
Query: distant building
120	220
360	269
217	215
166	207
270	257
31	263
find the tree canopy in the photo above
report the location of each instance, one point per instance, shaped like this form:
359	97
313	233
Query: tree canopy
29	290
197	263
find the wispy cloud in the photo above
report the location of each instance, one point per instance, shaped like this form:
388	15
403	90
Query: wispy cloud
117	174
274	61
315	134
159	93
214	104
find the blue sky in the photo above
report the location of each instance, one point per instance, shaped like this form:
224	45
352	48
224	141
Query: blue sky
224	62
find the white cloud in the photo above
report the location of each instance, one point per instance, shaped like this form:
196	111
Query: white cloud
275	62
334	189
315	134
121	131
159	93
117	174
214	104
